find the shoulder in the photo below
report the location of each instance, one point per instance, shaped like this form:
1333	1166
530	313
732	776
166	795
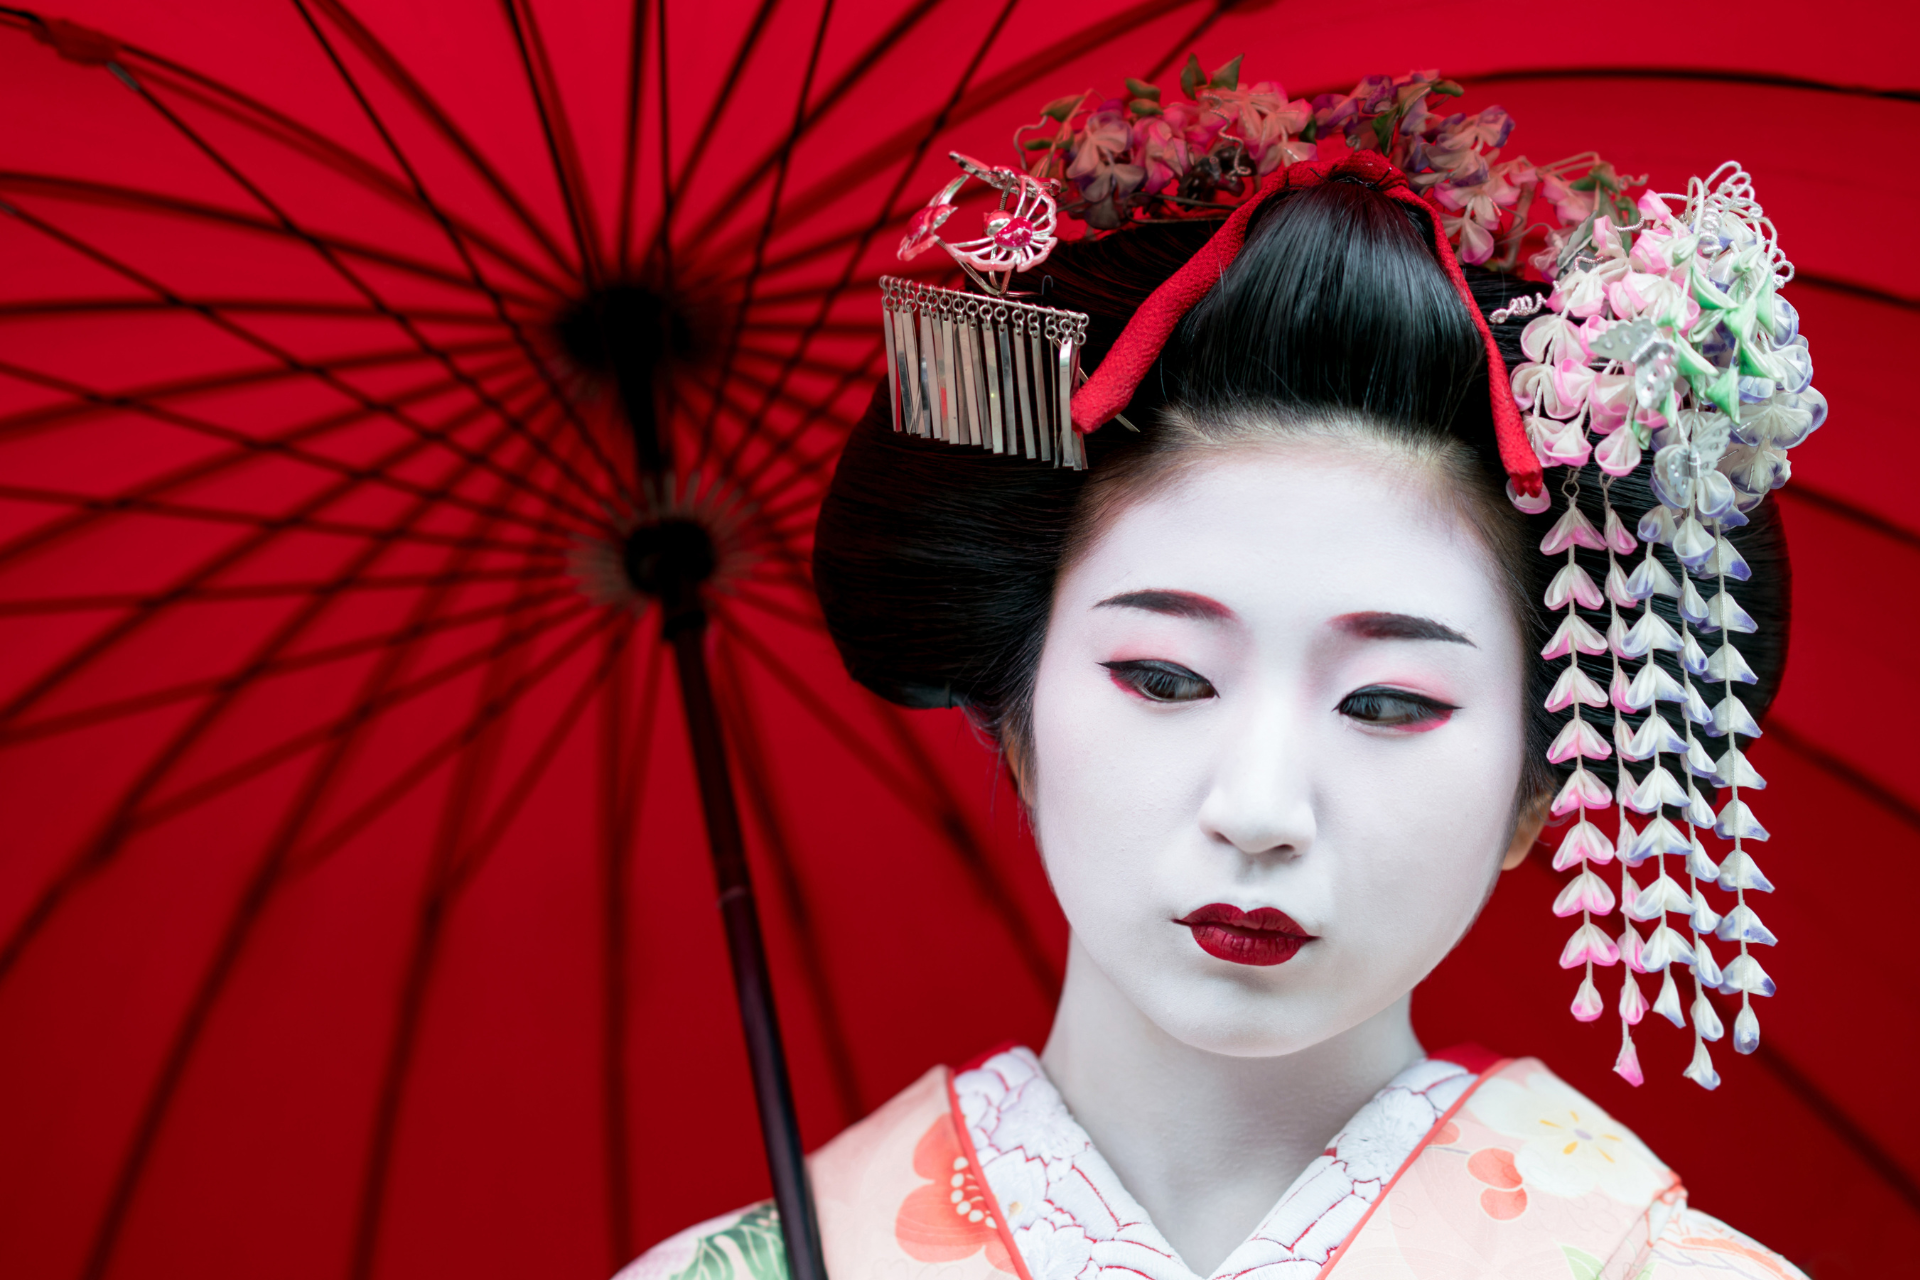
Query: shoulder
743	1245
1538	1149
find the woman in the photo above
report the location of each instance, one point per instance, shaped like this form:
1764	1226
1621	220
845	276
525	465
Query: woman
1267	674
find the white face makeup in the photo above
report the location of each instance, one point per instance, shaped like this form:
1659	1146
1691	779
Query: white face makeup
1288	679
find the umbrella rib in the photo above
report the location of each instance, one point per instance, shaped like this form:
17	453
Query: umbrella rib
937	808
752	277
885	215
662	253
147	496
423	437
860	169
972	855
360	286
35	606
264	375
93	508
253	902
457	238
750	760
562	152
353	475
103	847
478	753
78	191
391	70
1220	9
383	409
1846	772
786	613
780	448
1857	290
1832	504
256	306
882	769
1706	75
630	151
1830	1113
709	128
324	846
290	748
967	849
254	673
251	113
206	570
865	63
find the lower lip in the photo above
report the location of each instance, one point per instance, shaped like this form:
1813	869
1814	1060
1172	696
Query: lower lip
1247	946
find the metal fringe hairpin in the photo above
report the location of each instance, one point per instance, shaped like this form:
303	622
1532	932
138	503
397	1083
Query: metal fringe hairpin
985	369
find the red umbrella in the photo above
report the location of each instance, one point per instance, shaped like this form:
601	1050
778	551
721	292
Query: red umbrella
354	909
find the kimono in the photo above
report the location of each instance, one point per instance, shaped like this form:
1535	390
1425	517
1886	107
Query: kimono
1465	1167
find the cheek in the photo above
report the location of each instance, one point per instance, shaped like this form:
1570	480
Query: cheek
1108	788
1428	828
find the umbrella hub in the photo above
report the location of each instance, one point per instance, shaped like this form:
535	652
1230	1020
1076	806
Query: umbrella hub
669	559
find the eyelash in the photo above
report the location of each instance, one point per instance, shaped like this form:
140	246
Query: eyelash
1395	708
1160	681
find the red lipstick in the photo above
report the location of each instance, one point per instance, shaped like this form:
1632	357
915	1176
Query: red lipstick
1262	936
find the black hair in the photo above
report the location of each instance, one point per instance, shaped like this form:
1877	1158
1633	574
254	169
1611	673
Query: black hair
935	565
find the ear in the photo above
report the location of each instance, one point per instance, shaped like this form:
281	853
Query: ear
1526	832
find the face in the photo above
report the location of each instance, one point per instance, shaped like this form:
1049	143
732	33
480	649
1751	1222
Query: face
1277	732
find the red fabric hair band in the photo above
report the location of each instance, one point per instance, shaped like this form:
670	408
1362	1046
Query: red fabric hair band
1113	384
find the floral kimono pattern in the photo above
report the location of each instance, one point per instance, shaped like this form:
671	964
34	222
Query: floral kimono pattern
1463	1168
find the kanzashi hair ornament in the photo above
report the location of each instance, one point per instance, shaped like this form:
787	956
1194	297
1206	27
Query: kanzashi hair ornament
1667	350
985	369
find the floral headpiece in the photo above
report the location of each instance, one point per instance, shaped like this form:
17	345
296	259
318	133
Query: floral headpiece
1658	345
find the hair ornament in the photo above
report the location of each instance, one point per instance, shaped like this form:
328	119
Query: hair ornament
985	369
1666	347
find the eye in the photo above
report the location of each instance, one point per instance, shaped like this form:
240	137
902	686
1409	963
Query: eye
1395	708
1158	681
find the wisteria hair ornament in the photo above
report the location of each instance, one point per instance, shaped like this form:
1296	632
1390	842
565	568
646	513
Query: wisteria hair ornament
1657	345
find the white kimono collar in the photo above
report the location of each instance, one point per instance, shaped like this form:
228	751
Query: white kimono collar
1072	1220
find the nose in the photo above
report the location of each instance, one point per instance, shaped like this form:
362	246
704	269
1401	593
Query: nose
1260	799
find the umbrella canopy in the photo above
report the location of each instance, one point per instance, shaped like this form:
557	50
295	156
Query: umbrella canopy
354	915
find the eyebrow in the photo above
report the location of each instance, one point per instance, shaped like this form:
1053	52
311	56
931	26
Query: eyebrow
1398	626
1177	604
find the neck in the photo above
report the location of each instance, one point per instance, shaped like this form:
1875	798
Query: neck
1206	1142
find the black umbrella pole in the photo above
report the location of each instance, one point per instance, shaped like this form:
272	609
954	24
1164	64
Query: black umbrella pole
799	1225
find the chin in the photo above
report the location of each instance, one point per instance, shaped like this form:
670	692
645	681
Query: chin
1241	1023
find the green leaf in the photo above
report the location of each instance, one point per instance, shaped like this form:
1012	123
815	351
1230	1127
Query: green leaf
1042	144
749	1249
1143	107
1447	89
1383	130
1228	75
1141	89
1585	1266
1192	78
1060	108
1312	132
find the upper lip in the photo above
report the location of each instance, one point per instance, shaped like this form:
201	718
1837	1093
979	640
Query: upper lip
1258	920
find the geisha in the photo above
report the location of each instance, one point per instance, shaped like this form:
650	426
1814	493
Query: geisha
1347	572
